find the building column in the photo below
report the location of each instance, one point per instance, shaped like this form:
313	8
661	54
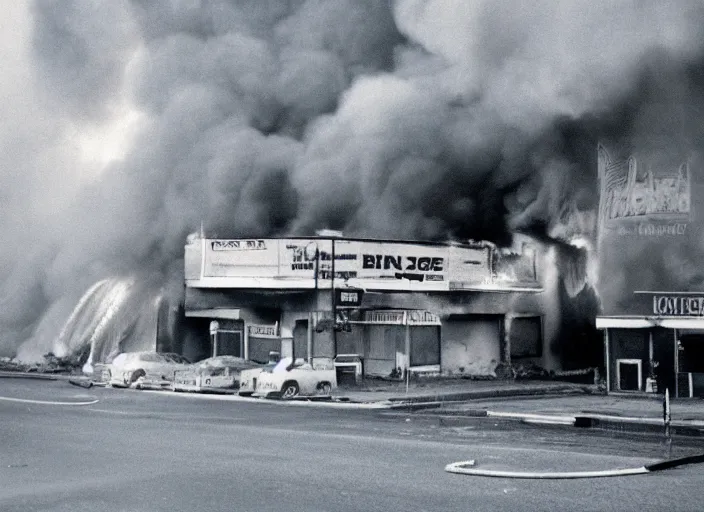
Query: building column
505	352
407	346
607	361
675	340
309	338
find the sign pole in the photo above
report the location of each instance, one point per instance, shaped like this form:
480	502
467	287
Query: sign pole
667	420
214	326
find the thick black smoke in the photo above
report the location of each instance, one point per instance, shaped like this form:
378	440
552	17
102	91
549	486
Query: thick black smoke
414	118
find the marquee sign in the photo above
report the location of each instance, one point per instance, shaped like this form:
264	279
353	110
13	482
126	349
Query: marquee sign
360	264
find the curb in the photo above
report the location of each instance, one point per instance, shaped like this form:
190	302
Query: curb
604	423
643	425
35	376
303	402
437	400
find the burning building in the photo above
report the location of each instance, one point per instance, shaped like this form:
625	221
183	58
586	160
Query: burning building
132	122
431	308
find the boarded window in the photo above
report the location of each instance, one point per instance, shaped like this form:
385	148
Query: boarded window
300	338
425	345
385	341
526	337
229	343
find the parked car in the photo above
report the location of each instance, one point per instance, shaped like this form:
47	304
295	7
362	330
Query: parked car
213	374
288	379
248	379
100	373
145	369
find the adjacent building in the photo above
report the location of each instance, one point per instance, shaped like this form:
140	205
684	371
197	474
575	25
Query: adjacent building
398	306
651	254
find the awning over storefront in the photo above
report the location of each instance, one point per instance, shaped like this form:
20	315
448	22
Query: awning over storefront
644	322
199	300
224	313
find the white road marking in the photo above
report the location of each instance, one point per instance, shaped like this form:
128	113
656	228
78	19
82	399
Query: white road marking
45	402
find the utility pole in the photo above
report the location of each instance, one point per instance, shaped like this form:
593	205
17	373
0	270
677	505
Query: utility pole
333	299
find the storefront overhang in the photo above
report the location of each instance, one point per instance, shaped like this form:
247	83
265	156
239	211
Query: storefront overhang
224	313
644	322
199	300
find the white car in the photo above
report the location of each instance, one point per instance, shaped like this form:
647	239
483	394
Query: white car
248	379
219	373
287	380
145	369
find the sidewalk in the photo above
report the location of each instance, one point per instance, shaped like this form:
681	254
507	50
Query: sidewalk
644	408
615	413
532	401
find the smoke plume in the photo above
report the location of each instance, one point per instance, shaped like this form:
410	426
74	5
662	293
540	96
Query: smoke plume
130	122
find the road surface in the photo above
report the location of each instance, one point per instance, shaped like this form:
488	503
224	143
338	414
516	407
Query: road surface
139	451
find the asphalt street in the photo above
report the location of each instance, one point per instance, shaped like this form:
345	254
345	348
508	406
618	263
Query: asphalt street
139	451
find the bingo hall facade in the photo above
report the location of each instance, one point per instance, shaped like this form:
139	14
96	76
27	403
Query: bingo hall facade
396	306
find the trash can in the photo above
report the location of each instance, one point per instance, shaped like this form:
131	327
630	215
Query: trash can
348	369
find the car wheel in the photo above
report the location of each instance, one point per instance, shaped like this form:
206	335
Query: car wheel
290	389
325	388
136	375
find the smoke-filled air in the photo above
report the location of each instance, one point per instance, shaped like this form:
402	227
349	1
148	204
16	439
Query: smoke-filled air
129	123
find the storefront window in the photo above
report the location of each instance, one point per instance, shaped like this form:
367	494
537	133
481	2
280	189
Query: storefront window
425	345
526	339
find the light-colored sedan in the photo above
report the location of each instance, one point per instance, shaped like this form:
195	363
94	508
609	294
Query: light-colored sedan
248	379
219	373
145	369
287	380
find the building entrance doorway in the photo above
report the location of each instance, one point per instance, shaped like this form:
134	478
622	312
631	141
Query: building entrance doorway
690	364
